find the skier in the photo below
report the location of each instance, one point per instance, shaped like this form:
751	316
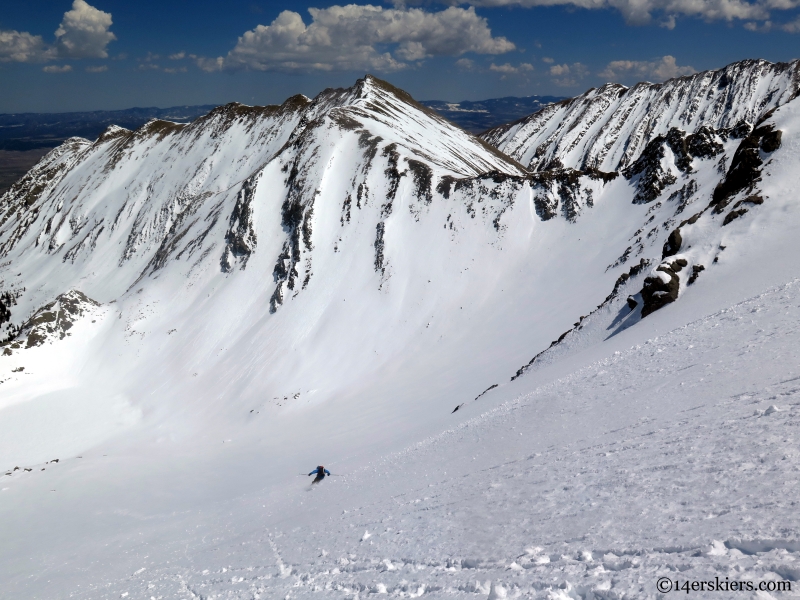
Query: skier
321	472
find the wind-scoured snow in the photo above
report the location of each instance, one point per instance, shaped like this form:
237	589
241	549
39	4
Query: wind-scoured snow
523	382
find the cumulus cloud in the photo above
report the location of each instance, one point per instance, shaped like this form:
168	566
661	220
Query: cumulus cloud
568	75
657	70
356	37
509	69
97	69
640	12
465	64
83	33
57	68
19	46
764	27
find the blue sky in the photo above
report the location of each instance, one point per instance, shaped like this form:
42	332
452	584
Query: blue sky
65	55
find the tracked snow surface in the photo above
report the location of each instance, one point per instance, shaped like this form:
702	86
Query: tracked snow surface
556	378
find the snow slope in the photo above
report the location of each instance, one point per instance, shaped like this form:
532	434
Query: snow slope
198	314
669	458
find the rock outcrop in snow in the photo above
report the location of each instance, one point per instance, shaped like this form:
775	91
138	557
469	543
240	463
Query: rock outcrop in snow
51	322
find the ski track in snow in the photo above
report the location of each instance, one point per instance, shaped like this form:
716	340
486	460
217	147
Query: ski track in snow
674	432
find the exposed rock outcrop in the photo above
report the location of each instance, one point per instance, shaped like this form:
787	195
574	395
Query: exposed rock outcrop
660	289
240	239
745	169
653	172
52	321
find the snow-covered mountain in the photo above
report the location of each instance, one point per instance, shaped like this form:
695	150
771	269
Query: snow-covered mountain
193	314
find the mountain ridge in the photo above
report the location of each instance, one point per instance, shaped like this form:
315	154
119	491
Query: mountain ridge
584	132
28	131
559	189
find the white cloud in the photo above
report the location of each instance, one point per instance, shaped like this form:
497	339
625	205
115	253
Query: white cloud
568	75
84	32
767	26
793	27
98	69
210	64
548	60
151	62
658	70
509	69
356	37
465	64
639	12
668	22
19	46
57	69
764	27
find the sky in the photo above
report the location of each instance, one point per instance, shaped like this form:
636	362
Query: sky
80	55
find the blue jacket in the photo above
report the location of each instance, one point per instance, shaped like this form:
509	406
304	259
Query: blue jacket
319	473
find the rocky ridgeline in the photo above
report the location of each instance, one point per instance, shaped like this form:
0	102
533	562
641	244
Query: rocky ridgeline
653	134
608	128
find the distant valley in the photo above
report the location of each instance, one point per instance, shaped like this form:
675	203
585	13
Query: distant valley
482	115
27	137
